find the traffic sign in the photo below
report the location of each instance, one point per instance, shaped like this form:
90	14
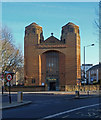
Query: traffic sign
9	77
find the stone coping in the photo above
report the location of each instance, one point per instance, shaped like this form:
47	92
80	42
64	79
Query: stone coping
56	92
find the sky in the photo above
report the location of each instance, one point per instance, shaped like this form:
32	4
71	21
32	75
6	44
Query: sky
52	16
50	0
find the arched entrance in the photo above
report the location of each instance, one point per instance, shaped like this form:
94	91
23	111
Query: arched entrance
51	69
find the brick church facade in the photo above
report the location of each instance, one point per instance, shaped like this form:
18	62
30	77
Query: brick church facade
52	63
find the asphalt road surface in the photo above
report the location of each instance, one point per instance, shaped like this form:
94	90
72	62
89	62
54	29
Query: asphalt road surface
54	106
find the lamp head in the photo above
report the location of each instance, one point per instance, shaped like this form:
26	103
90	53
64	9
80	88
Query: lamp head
92	44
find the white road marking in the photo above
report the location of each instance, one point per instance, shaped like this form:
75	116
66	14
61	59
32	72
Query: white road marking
68	111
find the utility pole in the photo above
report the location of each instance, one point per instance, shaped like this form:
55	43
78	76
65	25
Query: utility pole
84	63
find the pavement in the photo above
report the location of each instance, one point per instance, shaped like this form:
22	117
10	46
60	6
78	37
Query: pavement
7	105
84	97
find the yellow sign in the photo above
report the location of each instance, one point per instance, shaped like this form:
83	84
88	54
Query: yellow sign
78	82
52	79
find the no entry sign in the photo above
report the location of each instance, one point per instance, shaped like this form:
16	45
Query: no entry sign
9	77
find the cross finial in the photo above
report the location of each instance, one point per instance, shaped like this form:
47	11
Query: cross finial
51	34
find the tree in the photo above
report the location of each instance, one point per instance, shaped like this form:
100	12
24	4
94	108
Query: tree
98	25
100	15
12	57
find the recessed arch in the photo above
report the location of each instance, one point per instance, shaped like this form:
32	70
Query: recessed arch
52	67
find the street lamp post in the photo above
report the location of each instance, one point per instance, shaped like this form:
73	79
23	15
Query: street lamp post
84	61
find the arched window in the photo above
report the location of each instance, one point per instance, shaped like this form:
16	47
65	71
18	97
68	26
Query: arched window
71	29
52	63
33	80
33	30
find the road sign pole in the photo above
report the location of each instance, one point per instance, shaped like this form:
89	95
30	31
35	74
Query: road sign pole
9	93
9	78
2	90
2	86
1	76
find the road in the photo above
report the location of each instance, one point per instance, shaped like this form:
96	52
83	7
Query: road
54	106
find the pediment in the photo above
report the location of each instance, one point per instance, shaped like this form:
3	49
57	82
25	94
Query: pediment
52	39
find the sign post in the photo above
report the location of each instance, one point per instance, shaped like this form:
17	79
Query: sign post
9	78
1	78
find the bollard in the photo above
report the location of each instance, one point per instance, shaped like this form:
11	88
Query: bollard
20	97
77	94
87	92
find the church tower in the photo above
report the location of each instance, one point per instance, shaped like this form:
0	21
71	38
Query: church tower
33	37
70	36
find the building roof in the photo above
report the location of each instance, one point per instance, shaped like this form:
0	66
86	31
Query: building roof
70	24
33	25
52	40
95	67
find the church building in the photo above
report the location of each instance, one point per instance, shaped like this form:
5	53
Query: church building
53	63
